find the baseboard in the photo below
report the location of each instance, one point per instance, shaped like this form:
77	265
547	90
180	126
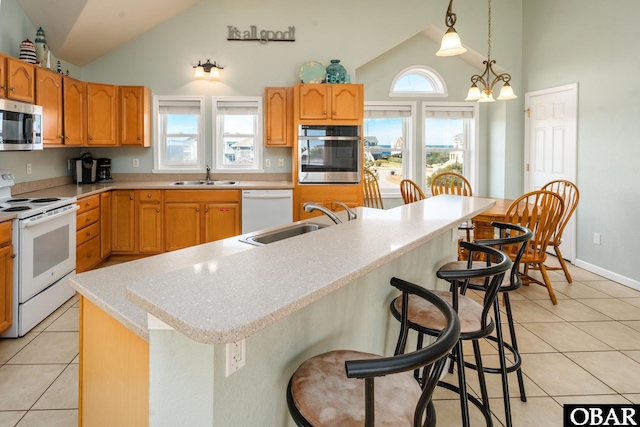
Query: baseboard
608	274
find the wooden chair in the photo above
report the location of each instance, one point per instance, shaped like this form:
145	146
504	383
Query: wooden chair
328	389
410	191
539	211
453	183
570	195
372	196
450	183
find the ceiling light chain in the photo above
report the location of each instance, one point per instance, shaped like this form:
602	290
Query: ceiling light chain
486	95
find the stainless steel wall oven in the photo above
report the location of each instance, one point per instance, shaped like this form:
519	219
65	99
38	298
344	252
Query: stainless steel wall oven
329	154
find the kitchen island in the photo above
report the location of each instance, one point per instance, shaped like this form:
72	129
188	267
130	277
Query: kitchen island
288	301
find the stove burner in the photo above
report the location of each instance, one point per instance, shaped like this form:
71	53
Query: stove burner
16	200
16	209
45	200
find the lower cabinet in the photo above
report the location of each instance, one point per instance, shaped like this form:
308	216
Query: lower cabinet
123	221
6	269
326	195
105	224
192	217
88	233
136	221
149	225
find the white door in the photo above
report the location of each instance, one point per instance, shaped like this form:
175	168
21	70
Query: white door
551	145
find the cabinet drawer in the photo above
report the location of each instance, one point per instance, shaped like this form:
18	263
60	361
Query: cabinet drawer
149	195
88	255
87	218
87	233
88	203
5	232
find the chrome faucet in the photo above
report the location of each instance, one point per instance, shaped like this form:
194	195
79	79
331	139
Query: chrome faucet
310	207
208	177
352	214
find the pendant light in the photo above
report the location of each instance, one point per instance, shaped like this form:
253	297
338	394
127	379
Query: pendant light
451	44
486	81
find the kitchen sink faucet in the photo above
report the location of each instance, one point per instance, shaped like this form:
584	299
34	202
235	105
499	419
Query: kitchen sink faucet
352	214
311	206
208	177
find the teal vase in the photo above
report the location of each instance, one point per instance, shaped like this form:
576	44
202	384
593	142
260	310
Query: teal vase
336	73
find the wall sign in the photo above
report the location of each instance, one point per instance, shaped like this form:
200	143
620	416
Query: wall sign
264	36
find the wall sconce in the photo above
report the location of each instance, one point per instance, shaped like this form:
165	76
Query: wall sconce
207	70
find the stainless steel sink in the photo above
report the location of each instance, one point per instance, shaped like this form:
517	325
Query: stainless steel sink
187	183
282	233
222	182
202	182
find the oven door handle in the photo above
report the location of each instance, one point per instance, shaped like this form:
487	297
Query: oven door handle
27	224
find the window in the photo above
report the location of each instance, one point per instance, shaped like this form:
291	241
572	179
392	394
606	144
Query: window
418	80
449	140
388	137
237	123
179	133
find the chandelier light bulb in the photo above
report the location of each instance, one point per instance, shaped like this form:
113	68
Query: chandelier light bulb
506	93
473	94
486	96
451	44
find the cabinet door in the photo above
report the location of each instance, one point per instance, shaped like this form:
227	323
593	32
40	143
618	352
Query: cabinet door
149	228
122	221
278	120
135	114
102	108
3	76
182	225
74	104
221	221
346	102
6	267
314	102
49	96
21	77
105	224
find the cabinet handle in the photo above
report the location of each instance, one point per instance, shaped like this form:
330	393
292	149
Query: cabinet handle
139	138
333	113
149	195
90	138
88	219
157	210
88	204
4	88
130	197
197	209
206	210
88	233
67	137
13	89
324	112
13	255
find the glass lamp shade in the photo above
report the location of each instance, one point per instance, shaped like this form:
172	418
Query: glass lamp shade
506	93
451	44
486	97
198	72
214	73
474	93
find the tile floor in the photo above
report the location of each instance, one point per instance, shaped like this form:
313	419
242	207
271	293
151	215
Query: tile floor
584	350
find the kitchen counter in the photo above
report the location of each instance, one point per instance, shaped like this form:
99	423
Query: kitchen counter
229	290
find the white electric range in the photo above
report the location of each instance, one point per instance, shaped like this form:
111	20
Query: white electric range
44	246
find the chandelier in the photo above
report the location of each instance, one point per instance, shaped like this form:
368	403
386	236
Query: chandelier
451	44
489	78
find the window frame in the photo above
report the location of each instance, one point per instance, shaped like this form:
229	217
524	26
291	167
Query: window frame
436	80
218	140
471	156
160	145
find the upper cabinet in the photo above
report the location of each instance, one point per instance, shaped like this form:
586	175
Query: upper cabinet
74	105
49	96
337	103
17	79
102	114
278	116
135	113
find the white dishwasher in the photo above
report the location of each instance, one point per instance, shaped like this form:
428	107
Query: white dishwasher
265	209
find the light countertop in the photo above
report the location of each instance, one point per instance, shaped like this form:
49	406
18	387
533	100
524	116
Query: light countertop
225	291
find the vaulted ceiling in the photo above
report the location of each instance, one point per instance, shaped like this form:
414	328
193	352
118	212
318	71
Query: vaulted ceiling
79	31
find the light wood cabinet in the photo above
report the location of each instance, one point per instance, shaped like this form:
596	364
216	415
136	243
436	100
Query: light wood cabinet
123	221
105	224
74	104
326	195
278	120
88	233
337	103
102	114
149	225
135	116
6	270
19	79
192	217
49	94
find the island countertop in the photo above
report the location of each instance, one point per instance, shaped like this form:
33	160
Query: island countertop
227	290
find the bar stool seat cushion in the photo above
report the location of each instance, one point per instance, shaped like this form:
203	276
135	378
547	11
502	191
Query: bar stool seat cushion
423	313
324	395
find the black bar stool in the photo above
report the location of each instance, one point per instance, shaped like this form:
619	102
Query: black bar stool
327	390
475	320
513	241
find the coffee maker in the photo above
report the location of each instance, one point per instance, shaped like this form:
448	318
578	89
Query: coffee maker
85	169
104	170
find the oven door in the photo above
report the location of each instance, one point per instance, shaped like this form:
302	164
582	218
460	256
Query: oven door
329	160
47	251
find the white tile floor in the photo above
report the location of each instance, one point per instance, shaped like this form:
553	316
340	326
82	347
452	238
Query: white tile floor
584	350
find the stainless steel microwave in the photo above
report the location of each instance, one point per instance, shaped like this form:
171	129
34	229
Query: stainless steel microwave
329	154
20	126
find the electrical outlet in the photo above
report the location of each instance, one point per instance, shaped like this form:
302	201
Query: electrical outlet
267	163
136	163
280	163
596	238
235	357
28	168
